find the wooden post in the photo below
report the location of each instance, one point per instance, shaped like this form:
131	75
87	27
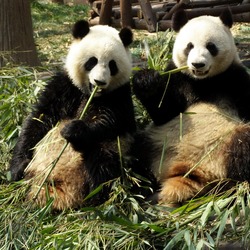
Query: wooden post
106	12
16	40
126	13
148	14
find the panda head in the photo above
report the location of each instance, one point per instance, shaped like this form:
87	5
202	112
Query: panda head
205	44
99	55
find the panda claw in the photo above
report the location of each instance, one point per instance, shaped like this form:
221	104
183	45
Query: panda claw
74	131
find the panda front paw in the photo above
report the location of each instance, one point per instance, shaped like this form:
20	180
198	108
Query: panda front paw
145	82
16	170
76	132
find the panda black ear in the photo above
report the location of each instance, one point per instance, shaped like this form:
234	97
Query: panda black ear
80	29
126	36
179	19
227	18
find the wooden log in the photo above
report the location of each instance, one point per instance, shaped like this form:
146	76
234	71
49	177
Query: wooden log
214	12
180	5
244	8
212	3
98	4
156	8
106	11
137	12
148	15
186	4
126	13
159	15
164	25
116	12
241	13
139	24
160	9
242	17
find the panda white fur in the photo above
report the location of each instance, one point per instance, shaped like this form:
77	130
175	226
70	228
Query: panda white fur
201	131
99	56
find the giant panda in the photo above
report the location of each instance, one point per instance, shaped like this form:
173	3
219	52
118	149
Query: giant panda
200	134
99	55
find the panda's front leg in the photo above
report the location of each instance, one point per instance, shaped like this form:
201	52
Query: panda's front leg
145	84
101	162
78	133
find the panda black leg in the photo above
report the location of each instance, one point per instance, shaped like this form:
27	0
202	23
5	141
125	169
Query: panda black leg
18	167
102	165
238	155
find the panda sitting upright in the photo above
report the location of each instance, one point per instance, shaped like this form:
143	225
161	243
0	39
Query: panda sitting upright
200	132
99	56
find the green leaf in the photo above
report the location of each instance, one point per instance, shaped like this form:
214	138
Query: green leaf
175	240
94	192
222	226
187	238
206	213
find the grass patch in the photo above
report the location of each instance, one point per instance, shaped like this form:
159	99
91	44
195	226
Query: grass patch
125	221
52	25
122	223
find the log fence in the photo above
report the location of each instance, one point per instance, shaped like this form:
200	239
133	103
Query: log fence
156	15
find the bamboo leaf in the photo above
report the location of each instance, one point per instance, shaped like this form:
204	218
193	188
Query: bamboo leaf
210	239
222	226
206	214
156	228
175	240
200	244
187	238
94	192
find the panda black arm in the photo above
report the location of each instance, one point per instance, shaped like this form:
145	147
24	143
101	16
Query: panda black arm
149	87
107	117
241	92
57	101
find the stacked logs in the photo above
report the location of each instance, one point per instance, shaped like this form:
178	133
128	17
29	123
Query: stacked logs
156	15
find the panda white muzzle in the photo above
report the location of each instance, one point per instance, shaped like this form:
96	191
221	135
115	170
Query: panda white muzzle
199	69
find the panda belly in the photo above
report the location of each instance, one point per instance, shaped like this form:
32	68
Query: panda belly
196	146
65	181
68	182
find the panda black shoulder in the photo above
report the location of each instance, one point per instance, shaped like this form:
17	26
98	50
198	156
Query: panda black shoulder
225	81
59	94
60	82
239	71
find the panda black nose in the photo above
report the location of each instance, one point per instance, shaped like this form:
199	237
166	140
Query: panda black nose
100	83
198	65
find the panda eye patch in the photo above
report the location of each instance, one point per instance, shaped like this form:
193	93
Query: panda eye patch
113	68
211	47
91	63
188	48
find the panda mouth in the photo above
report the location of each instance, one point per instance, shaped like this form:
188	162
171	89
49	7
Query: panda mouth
92	86
200	73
